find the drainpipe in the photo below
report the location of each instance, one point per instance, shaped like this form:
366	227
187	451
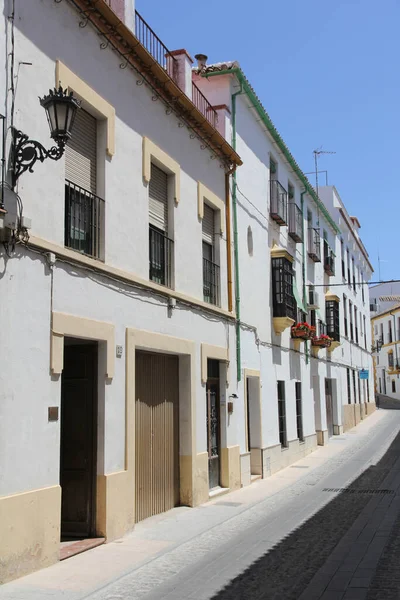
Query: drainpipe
395	337
228	237
235	243
303	246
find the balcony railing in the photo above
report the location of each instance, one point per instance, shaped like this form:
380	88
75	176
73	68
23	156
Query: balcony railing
314	244
295	223
211	282
278	208
154	46
203	105
84	214
160	257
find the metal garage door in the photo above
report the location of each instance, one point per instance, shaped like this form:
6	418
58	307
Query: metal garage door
157	434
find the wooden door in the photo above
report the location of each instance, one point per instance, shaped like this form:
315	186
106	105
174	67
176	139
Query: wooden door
213	433
329	406
157	434
78	440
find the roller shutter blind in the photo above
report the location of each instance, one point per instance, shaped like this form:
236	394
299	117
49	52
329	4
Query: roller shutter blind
158	198
208	225
81	152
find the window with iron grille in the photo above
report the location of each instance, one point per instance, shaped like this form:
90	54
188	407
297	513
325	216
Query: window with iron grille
351	320
381	336
299	412
160	245
359	390
332	319
393	385
356	324
346	328
84	210
284	303
348	386
354	387
390	360
354	275
348	267
390	332
282	414
365	332
313	318
342	258
362	287
210	267
367	390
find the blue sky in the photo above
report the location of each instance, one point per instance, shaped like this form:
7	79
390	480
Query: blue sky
328	73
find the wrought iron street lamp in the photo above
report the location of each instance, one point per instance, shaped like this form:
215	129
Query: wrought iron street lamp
60	107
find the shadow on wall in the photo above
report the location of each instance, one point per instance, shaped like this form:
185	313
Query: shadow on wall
287	569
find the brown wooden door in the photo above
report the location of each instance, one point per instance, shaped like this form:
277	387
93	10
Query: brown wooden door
77	452
157	434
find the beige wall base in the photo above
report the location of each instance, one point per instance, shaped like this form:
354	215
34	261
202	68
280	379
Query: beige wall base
349	420
357	413
337	429
230	467
29	532
322	437
276	458
194	479
115	510
245	469
370	407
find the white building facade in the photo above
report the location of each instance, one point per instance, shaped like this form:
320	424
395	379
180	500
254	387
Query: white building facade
288	270
155	281
386	345
117	346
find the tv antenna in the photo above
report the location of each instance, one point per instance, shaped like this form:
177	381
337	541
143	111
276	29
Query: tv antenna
317	153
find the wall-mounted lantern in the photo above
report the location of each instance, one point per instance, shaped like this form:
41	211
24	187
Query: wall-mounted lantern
60	107
230	403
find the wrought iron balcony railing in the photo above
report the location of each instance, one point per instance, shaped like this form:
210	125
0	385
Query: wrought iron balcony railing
314	244
279	202
150	40
329	260
160	257
84	214
211	282
154	46
295	223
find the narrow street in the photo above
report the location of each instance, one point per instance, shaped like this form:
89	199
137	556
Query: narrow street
326	528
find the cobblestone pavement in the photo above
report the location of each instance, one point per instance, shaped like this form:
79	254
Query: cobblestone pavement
287	537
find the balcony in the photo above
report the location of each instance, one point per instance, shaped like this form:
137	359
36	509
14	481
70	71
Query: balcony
314	244
278	206
154	46
160	257
211	282
84	214
329	264
333	321
295	223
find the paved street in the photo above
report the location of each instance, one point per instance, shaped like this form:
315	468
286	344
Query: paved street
326	528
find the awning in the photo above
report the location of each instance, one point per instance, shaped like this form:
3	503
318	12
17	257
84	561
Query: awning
298	297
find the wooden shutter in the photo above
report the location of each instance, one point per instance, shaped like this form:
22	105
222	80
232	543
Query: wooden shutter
81	152
158	198
208	225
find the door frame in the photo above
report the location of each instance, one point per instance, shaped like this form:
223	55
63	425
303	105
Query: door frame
94	446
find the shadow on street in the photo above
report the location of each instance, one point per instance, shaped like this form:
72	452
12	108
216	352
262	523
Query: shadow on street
285	571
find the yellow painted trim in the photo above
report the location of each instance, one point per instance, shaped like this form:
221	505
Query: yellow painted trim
151	152
387	312
390	344
330	296
333	346
100	267
282	323
203	193
80	327
157	342
215	352
83	91
278	252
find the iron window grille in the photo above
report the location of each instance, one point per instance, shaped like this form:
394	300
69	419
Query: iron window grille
314	244
322	328
284	303
160	257
84	215
295	223
211	282
354	387
332	320
279	201
348	386
390	361
282	414
329	259
299	412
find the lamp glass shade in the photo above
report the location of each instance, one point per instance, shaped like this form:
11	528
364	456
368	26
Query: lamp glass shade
60	109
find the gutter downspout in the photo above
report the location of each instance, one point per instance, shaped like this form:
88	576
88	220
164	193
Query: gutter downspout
228	237
235	244
303	247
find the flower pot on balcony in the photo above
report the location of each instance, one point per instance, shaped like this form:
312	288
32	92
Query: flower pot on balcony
321	342
303	331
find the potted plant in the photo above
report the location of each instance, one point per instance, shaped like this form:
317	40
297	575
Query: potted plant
303	331
322	341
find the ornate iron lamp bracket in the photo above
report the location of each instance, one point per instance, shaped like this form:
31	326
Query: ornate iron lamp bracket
27	152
